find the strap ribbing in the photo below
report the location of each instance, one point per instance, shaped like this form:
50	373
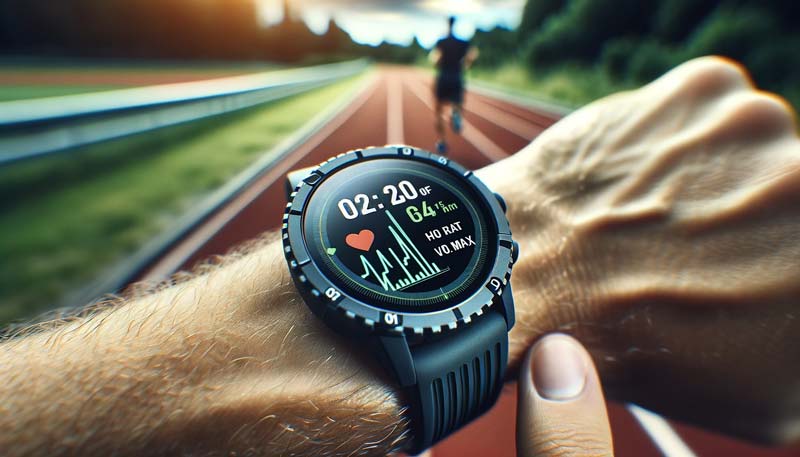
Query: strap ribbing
458	379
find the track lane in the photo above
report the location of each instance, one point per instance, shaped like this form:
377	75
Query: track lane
538	118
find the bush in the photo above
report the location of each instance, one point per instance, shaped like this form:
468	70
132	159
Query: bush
579	32
734	32
651	60
634	41
535	14
496	46
675	20
559	41
616	57
775	64
755	37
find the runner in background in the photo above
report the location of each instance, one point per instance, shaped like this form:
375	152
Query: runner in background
451	56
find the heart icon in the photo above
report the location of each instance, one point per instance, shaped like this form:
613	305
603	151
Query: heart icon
361	240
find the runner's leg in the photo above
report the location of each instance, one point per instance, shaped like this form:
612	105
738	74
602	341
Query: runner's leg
440	119
456	118
441	146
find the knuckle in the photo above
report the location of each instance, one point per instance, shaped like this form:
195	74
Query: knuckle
761	113
699	81
776	108
707	77
720	71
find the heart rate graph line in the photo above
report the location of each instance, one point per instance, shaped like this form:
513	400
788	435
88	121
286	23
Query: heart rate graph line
423	279
408	251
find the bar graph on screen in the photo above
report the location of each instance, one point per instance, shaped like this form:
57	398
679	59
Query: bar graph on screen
404	265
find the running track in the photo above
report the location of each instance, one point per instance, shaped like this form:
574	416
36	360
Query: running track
395	107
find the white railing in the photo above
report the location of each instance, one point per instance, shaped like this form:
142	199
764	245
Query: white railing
38	127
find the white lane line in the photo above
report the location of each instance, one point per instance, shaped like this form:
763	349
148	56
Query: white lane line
517	126
486	146
663	435
514	123
520	99
178	255
482	143
394	111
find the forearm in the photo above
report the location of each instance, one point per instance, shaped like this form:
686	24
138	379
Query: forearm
226	361
229	361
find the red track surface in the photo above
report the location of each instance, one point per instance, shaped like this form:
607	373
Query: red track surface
397	108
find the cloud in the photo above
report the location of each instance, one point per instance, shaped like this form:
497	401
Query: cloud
373	21
413	7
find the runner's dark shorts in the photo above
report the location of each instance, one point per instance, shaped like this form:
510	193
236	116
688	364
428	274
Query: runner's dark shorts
450	87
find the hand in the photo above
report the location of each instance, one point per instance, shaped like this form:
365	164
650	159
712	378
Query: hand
662	226
561	411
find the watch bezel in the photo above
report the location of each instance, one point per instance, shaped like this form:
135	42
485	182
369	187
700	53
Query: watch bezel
317	288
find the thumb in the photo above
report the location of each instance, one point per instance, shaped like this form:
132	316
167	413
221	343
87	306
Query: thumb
561	410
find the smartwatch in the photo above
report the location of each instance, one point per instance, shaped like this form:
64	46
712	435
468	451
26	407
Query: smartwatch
410	254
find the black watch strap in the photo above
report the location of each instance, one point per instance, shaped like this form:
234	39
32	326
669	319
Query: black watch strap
458	379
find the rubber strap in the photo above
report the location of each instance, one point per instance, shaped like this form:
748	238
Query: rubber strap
458	379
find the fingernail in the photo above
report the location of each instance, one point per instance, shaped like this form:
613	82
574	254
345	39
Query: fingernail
558	367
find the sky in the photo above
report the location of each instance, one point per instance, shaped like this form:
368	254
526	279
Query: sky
399	21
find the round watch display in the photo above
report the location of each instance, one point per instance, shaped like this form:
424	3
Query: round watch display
399	238
407	235
410	253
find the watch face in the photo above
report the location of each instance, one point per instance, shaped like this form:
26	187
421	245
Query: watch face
399	234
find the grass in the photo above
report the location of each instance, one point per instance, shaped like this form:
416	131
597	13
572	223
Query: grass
90	66
65	219
571	86
24	91
29	77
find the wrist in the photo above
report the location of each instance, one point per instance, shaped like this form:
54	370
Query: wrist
551	280
284	376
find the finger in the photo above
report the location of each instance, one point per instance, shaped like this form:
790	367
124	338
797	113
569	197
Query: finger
561	410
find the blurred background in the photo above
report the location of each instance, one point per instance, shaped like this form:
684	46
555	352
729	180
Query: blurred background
66	218
140	136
